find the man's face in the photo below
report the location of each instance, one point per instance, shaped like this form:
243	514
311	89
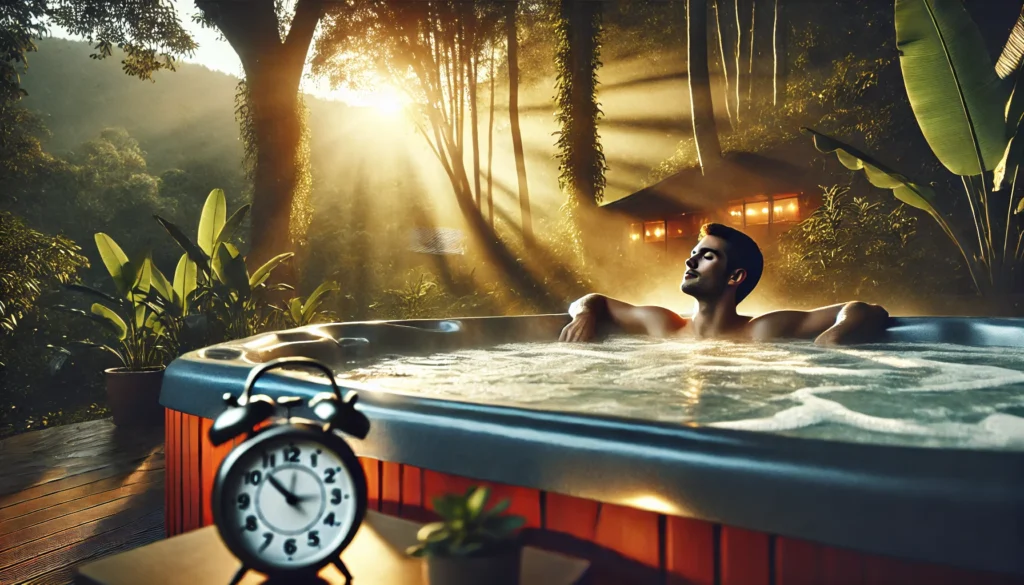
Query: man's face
706	275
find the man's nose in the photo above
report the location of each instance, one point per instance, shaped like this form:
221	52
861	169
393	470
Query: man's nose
691	262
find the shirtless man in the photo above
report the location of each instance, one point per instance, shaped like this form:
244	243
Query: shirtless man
722	270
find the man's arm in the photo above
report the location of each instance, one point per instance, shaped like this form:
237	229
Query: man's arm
592	309
842	324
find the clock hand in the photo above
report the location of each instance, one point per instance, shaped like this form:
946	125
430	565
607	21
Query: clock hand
289	497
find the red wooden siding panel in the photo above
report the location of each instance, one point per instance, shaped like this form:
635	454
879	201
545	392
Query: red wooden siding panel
371	468
437	484
842	567
689	551
629	531
412	493
390	487
171	459
797	562
571	515
743	557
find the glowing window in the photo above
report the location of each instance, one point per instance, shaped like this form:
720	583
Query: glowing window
786	210
736	215
654	231
758	213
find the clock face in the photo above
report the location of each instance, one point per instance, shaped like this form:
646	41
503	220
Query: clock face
290	499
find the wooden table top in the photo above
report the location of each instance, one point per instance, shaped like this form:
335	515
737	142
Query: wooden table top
376	556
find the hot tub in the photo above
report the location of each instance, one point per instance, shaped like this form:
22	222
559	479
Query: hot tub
647	501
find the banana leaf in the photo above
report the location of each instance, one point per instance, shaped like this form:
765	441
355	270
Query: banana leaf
211	221
231	225
195	253
184	281
316	298
1011	158
231	271
953	89
103	347
1009	61
263	272
112	320
162	286
117	263
90	291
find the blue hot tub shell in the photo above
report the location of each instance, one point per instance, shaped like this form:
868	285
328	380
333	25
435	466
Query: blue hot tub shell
956	507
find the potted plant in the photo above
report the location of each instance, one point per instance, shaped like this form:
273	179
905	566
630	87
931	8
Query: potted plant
471	545
143	331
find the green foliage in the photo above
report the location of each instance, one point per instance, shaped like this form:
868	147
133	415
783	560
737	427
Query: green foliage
966	135
148	32
855	247
299	311
231	303
31	262
468	527
136	326
582	165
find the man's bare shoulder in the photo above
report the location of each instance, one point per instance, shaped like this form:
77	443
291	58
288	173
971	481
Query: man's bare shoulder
773	325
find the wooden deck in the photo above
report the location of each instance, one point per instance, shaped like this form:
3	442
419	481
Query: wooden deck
77	493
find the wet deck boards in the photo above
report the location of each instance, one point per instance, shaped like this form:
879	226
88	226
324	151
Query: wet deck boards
77	493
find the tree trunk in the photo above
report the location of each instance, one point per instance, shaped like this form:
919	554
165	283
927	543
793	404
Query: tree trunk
273	70
725	61
705	130
585	158
475	129
511	9
490	150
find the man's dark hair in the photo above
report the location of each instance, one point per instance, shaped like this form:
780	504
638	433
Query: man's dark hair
741	252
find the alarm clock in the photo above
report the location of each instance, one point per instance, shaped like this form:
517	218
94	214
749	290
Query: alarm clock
291	497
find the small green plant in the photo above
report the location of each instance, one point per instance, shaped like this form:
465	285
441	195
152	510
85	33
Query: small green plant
299	311
467	528
138	325
227	297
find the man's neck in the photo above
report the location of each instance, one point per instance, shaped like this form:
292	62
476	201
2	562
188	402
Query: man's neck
714	318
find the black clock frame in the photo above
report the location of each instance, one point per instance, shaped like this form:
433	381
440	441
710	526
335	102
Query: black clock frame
305	430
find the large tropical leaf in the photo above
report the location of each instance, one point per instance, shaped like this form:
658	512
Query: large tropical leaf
161	285
112	320
211	221
184	280
195	253
957	98
143	265
1009	61
231	271
91	291
263	272
920	196
316	298
117	263
231	225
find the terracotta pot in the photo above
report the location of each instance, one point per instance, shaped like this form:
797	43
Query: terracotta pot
498	568
134	396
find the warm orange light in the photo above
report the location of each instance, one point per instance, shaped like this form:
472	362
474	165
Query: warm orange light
657	232
792	205
634	237
778	209
679	231
764	210
647	233
751	211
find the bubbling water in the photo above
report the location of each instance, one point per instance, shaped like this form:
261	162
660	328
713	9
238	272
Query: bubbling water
933	395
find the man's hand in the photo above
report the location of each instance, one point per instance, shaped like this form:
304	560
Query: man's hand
582	328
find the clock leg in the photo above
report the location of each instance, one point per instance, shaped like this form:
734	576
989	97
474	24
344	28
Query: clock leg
344	570
238	575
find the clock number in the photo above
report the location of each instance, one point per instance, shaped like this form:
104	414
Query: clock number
335	496
254	477
289	546
250	523
268	460
329	475
314	538
268	536
291	454
243	501
312	459
329	519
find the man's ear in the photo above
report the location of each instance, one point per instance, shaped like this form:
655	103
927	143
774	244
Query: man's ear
738	276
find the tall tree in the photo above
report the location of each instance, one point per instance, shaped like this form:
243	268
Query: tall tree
511	34
577	58
273	61
725	62
490	149
705	130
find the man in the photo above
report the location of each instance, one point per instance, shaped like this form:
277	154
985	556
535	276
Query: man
721	271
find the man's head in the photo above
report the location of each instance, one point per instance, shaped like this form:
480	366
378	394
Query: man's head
723	259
